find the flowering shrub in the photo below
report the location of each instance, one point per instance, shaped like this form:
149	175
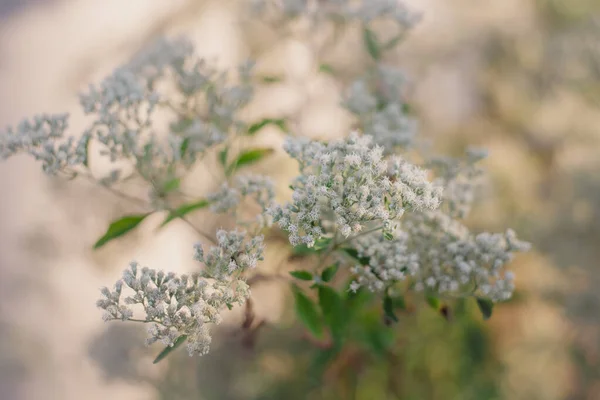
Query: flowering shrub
367	214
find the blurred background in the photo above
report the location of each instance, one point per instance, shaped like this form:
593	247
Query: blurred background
520	77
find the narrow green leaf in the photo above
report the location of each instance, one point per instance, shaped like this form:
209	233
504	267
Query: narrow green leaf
433	301
87	142
184	209
329	272
167	350
332	307
302	275
119	228
374	336
370	40
223	156
184	146
280	123
171	185
399	302
388	236
271	79
356	302
388	309
248	157
354	254
322	243
307	312
303	250
485	306
327	69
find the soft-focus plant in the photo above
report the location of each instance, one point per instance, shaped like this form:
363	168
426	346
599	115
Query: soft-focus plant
376	222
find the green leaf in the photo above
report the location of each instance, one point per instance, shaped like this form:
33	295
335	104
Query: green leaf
280	123
307	312
329	272
223	156
248	157
388	309
171	185
485	306
332	307
184	146
388	236
371	43
322	243
303	250
302	275
354	254
356	302
178	342
86	162
375	336
271	79
185	209
399	302
327	69
433	302
119	228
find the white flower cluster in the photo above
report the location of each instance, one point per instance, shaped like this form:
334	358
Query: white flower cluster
461	179
260	187
460	258
437	251
231	256
377	103
440	255
167	76
389	261
175	305
184	305
40	138
349	182
125	101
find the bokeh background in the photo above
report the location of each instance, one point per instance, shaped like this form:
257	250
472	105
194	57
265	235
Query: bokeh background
520	77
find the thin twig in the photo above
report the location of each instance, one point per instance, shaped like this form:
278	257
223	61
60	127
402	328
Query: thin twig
125	196
198	230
